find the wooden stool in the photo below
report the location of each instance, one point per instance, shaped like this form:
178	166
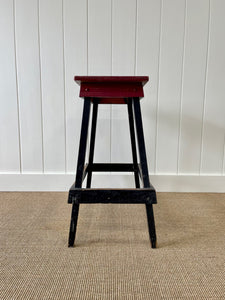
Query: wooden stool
112	90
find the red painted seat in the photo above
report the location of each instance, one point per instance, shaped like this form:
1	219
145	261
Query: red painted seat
111	89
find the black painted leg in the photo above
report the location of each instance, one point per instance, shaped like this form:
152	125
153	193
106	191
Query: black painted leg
73	224
141	141
83	142
133	144
92	142
144	168
151	225
80	168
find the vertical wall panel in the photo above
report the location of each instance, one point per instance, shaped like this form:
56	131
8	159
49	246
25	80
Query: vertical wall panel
99	63
148	43
99	37
75	41
124	28
179	44
195	56
51	42
172	37
214	117
224	156
29	92
123	58
9	133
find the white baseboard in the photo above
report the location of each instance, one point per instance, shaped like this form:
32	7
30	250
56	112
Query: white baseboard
162	183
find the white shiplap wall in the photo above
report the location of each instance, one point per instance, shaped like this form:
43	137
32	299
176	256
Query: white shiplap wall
179	44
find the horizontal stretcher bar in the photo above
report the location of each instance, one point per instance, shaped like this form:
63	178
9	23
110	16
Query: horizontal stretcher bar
93	195
110	167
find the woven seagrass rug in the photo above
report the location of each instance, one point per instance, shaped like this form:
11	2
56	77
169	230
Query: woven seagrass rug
112	258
